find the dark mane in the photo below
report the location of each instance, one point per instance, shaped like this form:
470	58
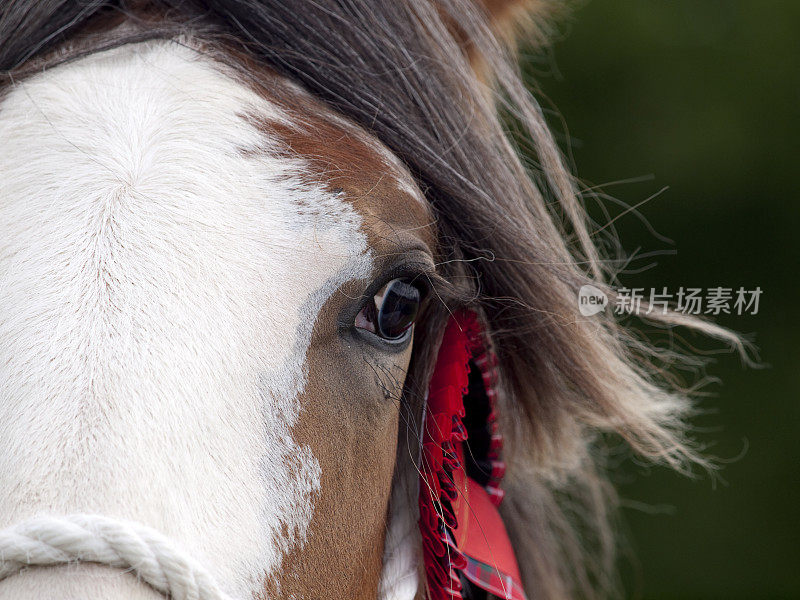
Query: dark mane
514	241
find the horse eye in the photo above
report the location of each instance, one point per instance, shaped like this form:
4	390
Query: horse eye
392	311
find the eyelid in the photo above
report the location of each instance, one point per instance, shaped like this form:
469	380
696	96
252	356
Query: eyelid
417	267
413	274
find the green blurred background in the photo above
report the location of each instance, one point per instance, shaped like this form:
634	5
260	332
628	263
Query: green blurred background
702	96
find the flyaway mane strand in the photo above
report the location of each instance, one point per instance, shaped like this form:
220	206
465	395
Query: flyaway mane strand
518	250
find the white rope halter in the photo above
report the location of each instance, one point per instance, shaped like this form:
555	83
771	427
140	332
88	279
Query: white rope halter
47	540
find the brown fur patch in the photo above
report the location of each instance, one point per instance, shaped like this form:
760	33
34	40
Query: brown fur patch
351	404
515	23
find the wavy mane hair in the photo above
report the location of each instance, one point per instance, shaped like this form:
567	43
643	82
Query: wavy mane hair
436	82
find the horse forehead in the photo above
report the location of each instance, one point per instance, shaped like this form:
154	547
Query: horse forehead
140	201
343	156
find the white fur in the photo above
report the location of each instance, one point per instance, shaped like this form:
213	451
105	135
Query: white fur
158	288
402	557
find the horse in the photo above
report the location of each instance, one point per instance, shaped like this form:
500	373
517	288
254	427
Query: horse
237	237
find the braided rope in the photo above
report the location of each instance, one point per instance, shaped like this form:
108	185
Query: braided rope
48	540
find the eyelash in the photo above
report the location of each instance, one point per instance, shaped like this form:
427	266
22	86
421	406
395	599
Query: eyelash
417	274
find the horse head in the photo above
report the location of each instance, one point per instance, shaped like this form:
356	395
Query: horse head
232	236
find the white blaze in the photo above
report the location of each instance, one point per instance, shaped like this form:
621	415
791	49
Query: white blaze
158	289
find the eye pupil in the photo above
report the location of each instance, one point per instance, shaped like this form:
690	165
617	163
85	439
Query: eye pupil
397	309
391	312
